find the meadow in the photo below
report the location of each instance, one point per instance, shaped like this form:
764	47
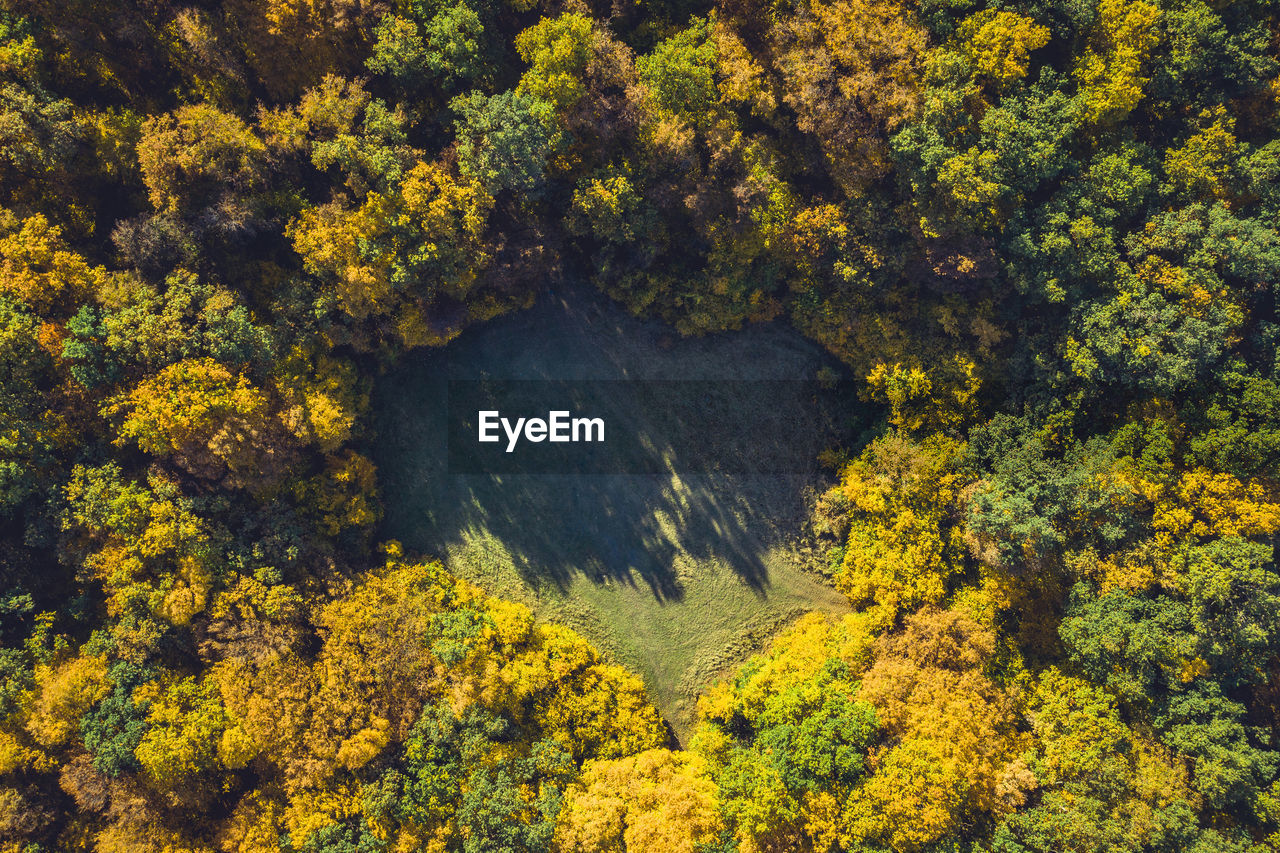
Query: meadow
678	575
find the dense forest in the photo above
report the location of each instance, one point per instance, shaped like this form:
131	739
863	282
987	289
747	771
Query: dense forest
1042	235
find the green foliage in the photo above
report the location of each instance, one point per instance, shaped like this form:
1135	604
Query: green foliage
142	329
113	729
504	140
25	371
1043	236
681	73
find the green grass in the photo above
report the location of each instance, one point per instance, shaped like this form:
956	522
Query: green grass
677	577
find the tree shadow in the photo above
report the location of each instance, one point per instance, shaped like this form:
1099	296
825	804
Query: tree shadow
704	500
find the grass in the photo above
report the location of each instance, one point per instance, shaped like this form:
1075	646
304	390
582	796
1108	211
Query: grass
676	576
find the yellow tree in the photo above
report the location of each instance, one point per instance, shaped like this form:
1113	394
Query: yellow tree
654	800
212	422
1111	70
999	44
852	72
950	734
900	503
396	257
195	155
38	268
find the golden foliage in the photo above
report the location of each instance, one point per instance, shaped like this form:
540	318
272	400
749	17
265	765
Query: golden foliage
903	545
37	266
65	691
654	800
950	731
196	153
999	43
209	419
1111	70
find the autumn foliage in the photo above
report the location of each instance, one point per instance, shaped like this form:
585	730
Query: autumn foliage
1041	236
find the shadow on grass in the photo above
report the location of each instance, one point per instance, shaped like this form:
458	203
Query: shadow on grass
704	501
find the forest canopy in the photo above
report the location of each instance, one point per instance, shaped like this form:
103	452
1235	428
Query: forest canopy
1042	235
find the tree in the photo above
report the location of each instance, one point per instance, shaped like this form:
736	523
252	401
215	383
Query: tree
142	329
1091	783
903	547
504	141
852	72
1110	71
213	423
788	739
557	51
999	44
28	431
653	800
196	156
38	268
185	726
949	734
681	73
113	729
410	259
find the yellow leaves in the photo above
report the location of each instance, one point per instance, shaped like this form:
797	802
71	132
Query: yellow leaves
362	747
184	403
14	756
964	177
1132	570
253	827
941	743
1110	71
37	267
1077	727
268	702
952	727
655	800
344	495
398	253
590	707
187	592
1078	737
852	71
315	809
251	600
604	204
63	693
210	420
999	44
340	245
374	640
138	834
794	657
1202	165
191	156
878	46
911	800
512	623
941	398
742	79
902	549
322	398
184	730
557	50
451	217
1204	503
236	748
894	568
